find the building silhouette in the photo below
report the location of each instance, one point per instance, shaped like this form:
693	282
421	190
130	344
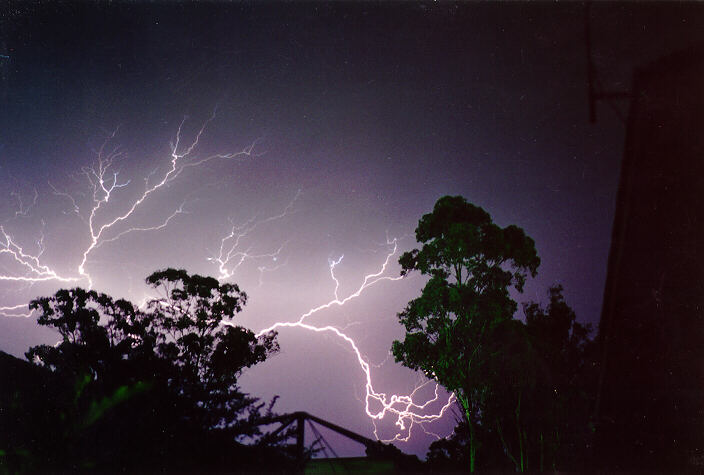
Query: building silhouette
650	405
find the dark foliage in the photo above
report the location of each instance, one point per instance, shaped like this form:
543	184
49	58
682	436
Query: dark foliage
402	462
520	385
127	389
541	386
451	454
450	329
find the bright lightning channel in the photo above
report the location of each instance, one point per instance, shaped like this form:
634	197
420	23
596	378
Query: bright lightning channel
34	270
407	412
104	187
19	310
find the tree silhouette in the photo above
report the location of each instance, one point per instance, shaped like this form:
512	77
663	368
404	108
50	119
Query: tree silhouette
153	389
207	352
539	385
451	454
524	387
564	390
452	328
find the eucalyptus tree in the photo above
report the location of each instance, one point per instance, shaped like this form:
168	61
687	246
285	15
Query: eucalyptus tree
455	328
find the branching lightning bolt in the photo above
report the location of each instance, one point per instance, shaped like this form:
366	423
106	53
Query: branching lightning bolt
34	271
231	256
22	266
407	412
104	185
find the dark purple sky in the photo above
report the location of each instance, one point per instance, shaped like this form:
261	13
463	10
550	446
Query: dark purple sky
361	116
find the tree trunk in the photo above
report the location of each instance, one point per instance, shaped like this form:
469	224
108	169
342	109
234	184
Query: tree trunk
521	448
541	452
472	445
472	449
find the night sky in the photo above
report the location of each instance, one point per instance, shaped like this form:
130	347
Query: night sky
353	119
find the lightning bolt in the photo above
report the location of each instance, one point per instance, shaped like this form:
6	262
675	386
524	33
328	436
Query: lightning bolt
103	225
104	181
19	310
404	408
104	185
29	264
231	255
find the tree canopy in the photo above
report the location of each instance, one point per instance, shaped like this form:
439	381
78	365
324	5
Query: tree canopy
462	332
153	388
472	264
